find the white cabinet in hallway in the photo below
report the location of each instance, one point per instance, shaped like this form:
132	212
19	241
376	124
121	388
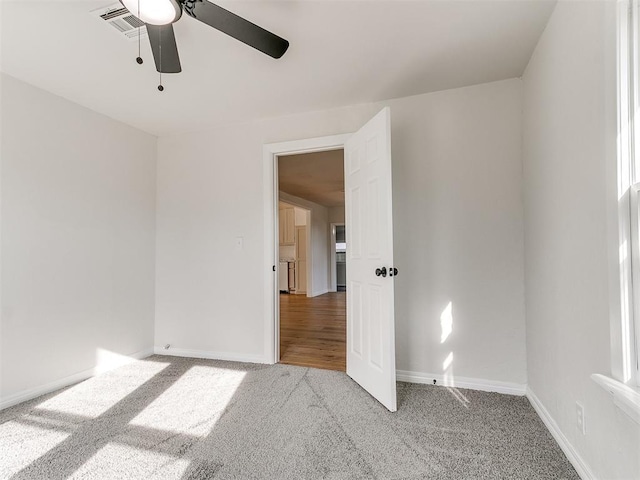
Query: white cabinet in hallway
286	226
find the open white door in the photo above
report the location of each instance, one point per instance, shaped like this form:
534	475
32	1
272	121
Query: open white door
371	359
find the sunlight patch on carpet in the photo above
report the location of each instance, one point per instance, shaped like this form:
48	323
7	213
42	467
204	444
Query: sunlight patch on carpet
96	395
194	403
125	461
22	444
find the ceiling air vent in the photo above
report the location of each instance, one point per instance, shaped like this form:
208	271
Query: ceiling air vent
121	21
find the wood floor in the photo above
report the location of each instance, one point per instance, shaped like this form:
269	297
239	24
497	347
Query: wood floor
313	331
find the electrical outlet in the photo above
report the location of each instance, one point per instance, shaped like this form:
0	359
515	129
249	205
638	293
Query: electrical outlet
580	418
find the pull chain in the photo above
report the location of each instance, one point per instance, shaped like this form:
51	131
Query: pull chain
160	87
139	59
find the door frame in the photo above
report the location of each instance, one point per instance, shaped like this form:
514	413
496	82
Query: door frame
270	154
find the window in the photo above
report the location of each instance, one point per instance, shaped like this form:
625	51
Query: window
633	333
625	313
628	344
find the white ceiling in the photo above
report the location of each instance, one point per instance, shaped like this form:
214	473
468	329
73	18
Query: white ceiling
341	53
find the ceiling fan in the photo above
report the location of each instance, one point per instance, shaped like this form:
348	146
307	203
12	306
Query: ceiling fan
160	15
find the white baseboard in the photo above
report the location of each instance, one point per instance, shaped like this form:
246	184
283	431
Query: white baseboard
227	356
462	382
35	392
572	454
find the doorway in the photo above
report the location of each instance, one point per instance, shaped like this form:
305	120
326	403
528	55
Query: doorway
370	315
311	216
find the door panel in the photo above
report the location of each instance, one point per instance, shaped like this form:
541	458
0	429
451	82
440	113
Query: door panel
371	333
354	304
354	244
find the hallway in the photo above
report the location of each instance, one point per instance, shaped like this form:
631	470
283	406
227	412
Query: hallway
313	330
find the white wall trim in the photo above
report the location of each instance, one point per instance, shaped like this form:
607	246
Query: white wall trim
270	153
571	453
226	356
462	382
35	392
625	397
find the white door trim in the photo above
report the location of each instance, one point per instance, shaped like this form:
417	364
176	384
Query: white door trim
270	157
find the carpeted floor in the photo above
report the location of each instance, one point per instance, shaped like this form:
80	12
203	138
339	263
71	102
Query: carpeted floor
173	418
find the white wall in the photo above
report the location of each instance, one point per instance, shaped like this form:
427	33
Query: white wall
78	239
457	228
336	215
458	231
569	149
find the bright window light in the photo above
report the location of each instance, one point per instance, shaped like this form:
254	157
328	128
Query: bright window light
459	396
446	322
447	361
626	329
209	391
125	461
33	443
71	400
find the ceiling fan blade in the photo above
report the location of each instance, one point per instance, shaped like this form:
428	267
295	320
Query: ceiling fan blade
236	27
164	48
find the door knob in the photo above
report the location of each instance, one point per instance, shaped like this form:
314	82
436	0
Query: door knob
381	271
393	271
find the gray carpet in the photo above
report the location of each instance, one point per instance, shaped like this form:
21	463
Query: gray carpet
172	418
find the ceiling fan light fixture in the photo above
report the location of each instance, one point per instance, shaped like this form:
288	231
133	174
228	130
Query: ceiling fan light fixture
154	12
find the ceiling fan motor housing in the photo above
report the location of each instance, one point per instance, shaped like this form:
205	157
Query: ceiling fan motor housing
155	12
